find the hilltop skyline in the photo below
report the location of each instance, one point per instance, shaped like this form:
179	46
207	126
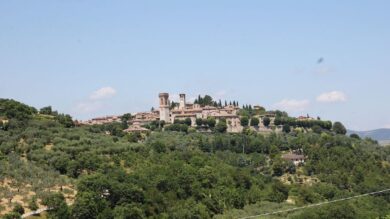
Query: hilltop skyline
109	58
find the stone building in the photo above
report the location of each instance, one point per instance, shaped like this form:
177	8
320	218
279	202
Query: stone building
164	107
102	120
136	127
296	158
194	111
168	113
144	118
182	103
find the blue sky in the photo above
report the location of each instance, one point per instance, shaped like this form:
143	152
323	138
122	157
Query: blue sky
92	58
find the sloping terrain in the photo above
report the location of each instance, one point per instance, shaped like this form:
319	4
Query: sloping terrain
83	172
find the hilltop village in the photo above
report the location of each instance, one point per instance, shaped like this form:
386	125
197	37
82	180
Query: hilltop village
201	115
159	164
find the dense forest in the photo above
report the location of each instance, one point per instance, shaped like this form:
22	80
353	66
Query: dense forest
46	161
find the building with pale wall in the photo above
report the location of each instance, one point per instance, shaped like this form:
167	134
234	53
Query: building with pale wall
164	107
102	120
194	111
185	110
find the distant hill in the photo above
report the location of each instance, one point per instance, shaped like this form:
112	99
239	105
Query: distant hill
381	135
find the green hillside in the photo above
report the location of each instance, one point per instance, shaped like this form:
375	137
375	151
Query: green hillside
83	172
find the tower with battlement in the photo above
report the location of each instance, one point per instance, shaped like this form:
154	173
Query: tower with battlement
182	103
164	107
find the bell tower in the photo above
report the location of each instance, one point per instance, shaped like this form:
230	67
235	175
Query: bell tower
164	107
182	104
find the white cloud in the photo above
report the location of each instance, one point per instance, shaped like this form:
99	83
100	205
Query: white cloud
331	97
95	102
103	93
292	105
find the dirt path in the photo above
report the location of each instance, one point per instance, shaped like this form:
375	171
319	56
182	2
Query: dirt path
34	212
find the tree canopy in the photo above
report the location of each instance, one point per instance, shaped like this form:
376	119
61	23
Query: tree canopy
177	173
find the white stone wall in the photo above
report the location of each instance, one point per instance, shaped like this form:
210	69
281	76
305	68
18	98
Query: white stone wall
164	114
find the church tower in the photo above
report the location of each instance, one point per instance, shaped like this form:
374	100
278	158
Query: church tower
164	107
182	103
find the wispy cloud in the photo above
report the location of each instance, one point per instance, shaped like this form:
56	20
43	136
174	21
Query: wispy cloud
332	97
292	104
103	93
95	102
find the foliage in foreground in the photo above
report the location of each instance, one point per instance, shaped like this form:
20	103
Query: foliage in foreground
194	175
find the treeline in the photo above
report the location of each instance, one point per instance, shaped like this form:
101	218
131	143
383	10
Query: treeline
203	125
207	100
17	114
302	123
64	119
12	109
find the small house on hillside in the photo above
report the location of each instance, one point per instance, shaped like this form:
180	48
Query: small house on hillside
297	159
136	128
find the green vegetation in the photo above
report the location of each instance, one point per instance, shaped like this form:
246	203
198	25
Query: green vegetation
183	174
12	109
255	121
266	121
221	126
207	100
325	125
244	120
339	128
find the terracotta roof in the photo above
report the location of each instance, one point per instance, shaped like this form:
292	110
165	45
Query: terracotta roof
136	129
187	110
209	107
185	115
226	115
293	156
144	120
195	110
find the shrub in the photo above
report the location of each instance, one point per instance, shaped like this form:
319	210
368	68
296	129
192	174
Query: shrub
18	208
211	122
339	128
266	121
244	121
221	127
356	136
317	129
32	204
286	128
255	121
